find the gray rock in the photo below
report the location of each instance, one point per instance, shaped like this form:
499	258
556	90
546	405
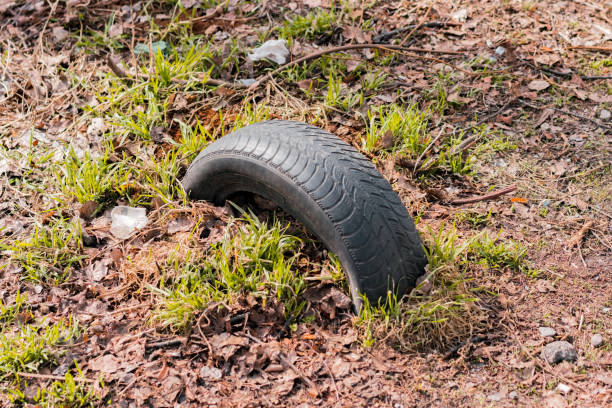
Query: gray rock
597	340
513	395
605	310
547	331
605	114
558	351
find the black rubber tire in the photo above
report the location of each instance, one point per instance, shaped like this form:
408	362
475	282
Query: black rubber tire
330	188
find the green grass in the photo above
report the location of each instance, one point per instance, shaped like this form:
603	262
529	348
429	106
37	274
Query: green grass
193	139
451	160
250	113
445	307
9	312
90	178
71	392
473	218
439	312
339	97
492	253
316	70
373	80
311	26
51	251
34	346
407	125
27	349
258	260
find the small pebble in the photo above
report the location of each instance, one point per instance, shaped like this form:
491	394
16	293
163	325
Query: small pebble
564	389
496	397
210	373
558	351
547	331
597	340
513	395
605	310
605	114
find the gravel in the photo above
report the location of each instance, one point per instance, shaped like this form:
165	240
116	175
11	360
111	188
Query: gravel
547	331
558	351
597	340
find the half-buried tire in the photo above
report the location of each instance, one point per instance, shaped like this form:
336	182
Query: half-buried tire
326	185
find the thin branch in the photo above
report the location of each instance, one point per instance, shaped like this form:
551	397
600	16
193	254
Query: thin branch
386	35
50	377
590	48
166	343
114	64
577	238
317	54
411	33
484	197
565	112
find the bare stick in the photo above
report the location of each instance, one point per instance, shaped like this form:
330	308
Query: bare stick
166	343
113	63
418	26
590	48
601	125
577	238
485	197
341	48
385	35
50	377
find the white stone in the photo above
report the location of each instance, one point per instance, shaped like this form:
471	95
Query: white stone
564	389
597	340
547	331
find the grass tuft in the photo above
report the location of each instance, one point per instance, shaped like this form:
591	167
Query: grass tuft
312	26
257	259
442	309
51	251
407	126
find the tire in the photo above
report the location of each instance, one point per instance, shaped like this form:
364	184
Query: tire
330	188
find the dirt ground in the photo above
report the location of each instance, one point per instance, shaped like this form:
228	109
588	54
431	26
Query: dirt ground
525	86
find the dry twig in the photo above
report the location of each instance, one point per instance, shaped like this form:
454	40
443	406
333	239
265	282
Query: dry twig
565	112
317	54
576	239
50	377
411	33
591	48
484	197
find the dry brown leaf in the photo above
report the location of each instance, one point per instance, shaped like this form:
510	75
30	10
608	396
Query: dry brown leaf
107	364
538	85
